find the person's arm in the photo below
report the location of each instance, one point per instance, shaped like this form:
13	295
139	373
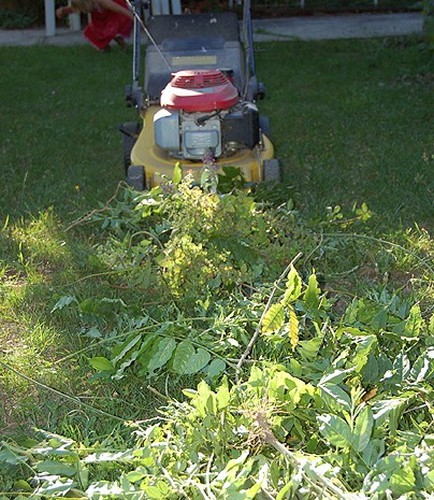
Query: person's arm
115	7
64	11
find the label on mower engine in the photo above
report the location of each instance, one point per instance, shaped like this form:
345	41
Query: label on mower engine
193	60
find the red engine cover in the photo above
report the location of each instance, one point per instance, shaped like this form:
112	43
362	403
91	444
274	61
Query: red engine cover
201	90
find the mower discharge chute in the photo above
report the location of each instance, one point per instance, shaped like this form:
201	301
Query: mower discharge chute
198	99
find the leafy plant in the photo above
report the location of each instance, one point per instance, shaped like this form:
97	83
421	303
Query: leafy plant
15	20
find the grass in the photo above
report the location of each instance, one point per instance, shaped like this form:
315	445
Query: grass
351	122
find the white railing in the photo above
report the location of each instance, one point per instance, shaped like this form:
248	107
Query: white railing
50	19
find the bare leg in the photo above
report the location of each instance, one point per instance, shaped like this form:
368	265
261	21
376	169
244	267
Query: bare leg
120	41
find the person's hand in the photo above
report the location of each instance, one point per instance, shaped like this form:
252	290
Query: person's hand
60	12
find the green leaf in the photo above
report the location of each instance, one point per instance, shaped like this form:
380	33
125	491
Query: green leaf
56	468
223	396
9	457
205	400
177	173
293	327
216	367
309	348
365	344
197	361
22	486
135	476
154	492
64	302
101	364
363	429
164	351
402	481
183	353
59	486
127	346
274	318
311	295
335	377
413	323
335	430
285	492
338	395
429	481
293	286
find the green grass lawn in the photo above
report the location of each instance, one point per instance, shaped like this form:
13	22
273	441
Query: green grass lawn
351	122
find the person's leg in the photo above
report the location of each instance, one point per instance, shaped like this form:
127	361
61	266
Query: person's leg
119	39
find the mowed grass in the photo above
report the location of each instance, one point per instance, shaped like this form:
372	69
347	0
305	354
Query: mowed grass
60	111
351	122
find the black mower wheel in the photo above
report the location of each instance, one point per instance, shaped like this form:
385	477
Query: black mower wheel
128	146
130	132
272	171
136	177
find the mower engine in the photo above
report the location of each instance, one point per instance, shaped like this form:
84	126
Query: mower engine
202	111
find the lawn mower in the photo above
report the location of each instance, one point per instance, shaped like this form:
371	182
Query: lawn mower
198	98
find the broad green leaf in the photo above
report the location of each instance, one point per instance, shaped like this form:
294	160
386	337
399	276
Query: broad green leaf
379	320
135	476
431	325
22	486
373	451
183	353
413	323
56	468
127	346
10	457
335	430
384	410
101	364
274	318
205	401
311	295
197	361
284	493
365	344
164	352
402	481
59	486
64	302
309	348
423	367
177	173
335	377
429	481
293	286
293	327
223	396
154	493
216	367
363	429
82	474
338	395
